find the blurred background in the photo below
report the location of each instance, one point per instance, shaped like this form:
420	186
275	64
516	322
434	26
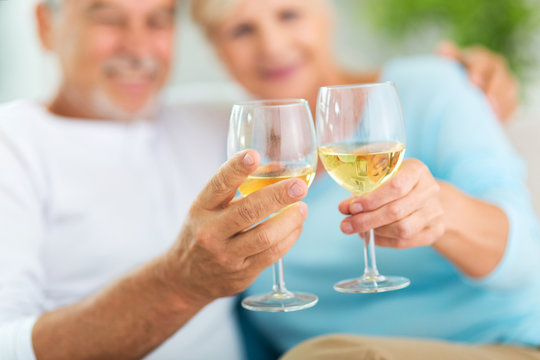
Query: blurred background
368	33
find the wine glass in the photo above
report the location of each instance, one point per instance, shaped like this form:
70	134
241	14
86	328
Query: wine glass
361	135
282	132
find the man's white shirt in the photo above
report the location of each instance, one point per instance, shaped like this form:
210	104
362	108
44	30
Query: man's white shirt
82	202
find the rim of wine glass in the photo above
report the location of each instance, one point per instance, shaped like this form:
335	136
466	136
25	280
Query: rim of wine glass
269	102
356	86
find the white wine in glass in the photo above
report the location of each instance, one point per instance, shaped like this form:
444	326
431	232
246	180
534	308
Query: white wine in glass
282	132
274	172
361	135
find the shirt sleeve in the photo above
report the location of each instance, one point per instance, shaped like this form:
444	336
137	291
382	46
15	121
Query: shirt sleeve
21	234
474	153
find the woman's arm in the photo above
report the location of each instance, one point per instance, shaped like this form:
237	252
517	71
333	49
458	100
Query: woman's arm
483	222
475	232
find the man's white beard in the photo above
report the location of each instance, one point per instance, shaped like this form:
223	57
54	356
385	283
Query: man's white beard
104	108
129	66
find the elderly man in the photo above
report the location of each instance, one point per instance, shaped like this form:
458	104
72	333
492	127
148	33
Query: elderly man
94	259
95	186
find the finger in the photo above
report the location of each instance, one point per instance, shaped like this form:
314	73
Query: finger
224	185
268	257
396	187
480	64
449	49
510	102
269	233
425	238
410	226
245	212
392	212
501	92
344	206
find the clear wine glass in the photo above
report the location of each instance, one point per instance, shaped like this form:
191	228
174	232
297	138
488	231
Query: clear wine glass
282	132
361	136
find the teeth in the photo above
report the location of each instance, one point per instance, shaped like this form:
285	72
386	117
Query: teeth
131	77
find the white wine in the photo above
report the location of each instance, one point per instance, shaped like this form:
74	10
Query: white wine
360	167
274	172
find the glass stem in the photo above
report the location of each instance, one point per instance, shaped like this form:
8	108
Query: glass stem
370	264
279	281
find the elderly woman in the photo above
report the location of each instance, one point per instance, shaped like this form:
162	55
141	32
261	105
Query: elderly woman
456	218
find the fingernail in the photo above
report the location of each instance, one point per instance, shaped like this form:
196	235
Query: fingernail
347	227
296	190
248	160
356	208
303	208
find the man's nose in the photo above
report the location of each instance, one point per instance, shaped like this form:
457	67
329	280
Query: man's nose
137	40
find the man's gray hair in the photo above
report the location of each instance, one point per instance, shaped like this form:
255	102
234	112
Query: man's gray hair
54	4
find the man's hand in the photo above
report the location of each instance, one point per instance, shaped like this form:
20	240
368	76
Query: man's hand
405	212
489	71
219	252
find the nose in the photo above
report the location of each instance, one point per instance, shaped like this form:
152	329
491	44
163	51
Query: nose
137	40
272	41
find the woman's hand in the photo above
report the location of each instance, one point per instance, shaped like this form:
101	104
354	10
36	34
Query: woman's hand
404	212
490	72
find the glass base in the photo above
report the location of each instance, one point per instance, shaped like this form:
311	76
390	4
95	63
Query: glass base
372	284
280	302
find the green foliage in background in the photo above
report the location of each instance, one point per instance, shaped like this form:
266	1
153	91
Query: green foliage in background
505	26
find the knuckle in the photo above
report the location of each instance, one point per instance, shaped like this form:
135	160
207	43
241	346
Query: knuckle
395	211
280	197
248	213
263	239
204	238
404	230
368	203
279	249
222	260
275	253
228	262
235	266
397	185
359	223
439	212
440	229
432	189
220	183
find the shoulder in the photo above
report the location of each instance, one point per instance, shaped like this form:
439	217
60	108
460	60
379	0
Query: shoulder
22	130
19	109
431	78
435	86
425	71
20	120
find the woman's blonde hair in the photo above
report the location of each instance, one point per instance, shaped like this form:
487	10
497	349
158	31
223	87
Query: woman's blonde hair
210	13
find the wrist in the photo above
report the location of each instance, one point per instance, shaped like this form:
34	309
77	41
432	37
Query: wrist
450	198
168	278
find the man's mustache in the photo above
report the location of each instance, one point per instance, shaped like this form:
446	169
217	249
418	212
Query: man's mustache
128	64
